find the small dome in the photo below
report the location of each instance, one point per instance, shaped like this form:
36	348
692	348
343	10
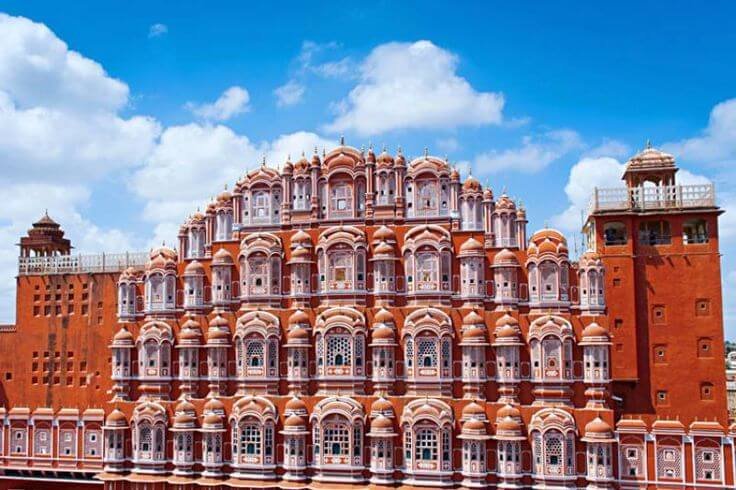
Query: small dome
471	245
184	419
507	319
302	164
299	317
116	418
385	160
222	257
471	184
212	421
383	248
547	247
454	174
382	405
190	334
506	332
184	406
474	425
194	267
383	316
382	333
224	196
505	203
505	257
301	237
294	421
384	233
214	405
508	411
295	405
474	334
598	426
594	330
488	194
382	423
301	252
508	424
473	318
218	322
473	409
297	334
123	335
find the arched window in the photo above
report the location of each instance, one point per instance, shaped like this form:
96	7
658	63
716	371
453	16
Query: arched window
655	233
427	338
260	268
149	435
253	422
337	428
341	199
154	351
427	427
341	256
386	188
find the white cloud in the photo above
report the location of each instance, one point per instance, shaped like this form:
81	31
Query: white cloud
291	93
157	30
609	148
586	175
448	144
59	110
232	102
192	163
535	153
311	60
717	142
413	86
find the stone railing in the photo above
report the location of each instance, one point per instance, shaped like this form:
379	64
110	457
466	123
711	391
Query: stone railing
75	264
652	198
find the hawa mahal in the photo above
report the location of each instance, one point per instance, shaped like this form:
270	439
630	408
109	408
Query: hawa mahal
355	319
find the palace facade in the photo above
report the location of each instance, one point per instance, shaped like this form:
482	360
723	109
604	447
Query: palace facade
359	319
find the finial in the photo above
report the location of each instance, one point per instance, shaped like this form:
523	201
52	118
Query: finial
370	145
649	144
315	149
546	224
303	156
503	190
342	140
426	152
263	161
398	150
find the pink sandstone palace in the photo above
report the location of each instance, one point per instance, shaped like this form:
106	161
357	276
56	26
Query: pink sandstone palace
357	319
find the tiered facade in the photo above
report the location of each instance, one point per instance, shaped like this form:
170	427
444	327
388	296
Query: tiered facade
358	319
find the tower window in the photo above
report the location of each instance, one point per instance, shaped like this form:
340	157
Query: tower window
655	233
695	231
614	233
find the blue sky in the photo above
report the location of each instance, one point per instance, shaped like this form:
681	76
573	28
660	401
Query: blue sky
104	106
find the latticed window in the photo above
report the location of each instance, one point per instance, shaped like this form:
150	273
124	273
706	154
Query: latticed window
338	350
358	350
250	439
631	462
258	275
427	271
409	352
427	352
336	440
426	445
42	442
341	199
553	454
708	463
427	198
261	206
273	351
446	352
669	462
254	352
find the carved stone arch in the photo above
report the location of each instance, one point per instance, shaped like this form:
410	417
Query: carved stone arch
149	411
262	322
266	243
347	317
551	325
156	330
431	409
253	406
434	236
338	405
428	164
261	175
349	235
553	419
432	319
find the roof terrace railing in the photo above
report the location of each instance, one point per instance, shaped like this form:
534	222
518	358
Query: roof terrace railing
75	264
653	198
